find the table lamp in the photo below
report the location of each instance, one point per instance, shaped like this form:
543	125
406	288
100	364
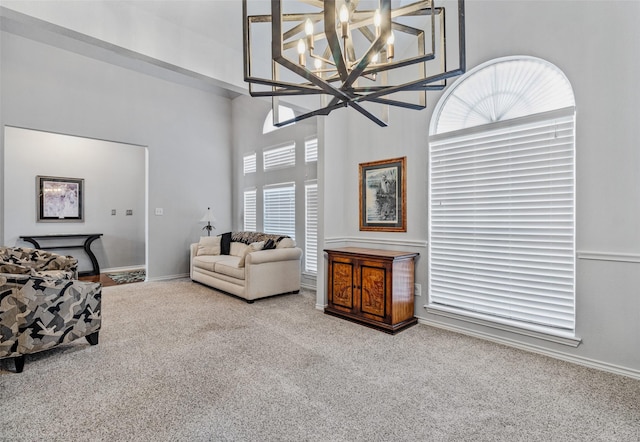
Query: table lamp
208	218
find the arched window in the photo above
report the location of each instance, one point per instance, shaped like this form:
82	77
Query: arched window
501	197
286	113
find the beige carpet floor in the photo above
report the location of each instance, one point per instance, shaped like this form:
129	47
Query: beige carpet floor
178	361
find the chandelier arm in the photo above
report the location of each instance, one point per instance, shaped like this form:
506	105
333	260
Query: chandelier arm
278	57
367	114
275	83
283	93
316	3
385	31
397	103
366	32
332	38
322	111
399	64
317	81
414	85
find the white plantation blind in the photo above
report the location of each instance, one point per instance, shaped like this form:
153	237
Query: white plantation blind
277	157
502	219
249	163
311	150
280	209
250	216
311	227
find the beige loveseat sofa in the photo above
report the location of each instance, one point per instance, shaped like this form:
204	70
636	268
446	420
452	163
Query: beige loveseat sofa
250	265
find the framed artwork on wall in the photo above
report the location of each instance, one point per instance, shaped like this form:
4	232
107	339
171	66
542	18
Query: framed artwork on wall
60	199
383	200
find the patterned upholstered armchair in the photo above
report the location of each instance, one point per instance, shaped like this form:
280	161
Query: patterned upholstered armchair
41	305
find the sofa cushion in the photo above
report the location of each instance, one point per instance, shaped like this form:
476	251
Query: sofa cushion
230	267
286	243
253	247
237	249
207	262
209	245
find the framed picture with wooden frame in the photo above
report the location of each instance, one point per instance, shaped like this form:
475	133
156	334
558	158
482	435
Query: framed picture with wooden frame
383	196
60	199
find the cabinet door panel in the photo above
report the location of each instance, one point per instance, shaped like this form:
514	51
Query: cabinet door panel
342	287
372	290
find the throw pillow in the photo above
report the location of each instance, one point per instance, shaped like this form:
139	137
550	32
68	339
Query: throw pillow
253	247
286	243
225	244
209	245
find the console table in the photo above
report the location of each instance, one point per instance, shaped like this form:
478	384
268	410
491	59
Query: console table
88	239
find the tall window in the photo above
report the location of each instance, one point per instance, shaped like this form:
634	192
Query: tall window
311	227
280	209
250	215
501	197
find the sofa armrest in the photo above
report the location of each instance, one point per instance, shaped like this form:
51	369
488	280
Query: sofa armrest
275	255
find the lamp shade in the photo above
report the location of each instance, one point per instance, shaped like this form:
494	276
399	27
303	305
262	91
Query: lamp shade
208	217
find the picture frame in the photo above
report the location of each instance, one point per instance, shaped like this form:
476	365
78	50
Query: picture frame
59	199
383	196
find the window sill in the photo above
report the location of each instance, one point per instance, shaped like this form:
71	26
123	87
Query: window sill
531	330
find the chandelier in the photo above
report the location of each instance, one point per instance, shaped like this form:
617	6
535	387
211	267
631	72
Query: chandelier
354	53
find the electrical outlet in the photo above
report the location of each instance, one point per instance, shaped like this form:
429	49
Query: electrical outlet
417	290
159	211
113	212
129	212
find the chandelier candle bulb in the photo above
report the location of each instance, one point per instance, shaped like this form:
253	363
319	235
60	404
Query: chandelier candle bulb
377	21
308	29
344	21
302	48
390	49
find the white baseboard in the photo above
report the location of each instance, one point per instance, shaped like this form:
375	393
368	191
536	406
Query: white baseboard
122	269
167	277
586	362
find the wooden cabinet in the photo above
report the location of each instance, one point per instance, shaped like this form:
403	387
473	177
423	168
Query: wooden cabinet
372	287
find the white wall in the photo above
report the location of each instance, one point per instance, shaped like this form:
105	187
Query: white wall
114	178
152	29
596	45
187	132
